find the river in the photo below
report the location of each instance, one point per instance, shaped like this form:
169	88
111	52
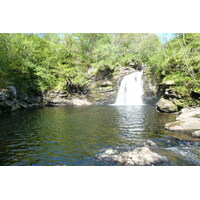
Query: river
76	135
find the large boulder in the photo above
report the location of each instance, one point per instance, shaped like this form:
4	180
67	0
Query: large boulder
165	105
187	121
140	156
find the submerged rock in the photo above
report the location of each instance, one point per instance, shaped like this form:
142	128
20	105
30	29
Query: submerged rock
150	144
140	156
165	105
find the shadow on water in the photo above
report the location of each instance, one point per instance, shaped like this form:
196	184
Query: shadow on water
74	136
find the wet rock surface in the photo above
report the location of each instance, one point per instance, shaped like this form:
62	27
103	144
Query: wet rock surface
187	121
11	100
62	98
167	106
196	134
104	90
140	156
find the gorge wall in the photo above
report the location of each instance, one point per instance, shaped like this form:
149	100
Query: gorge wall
101	89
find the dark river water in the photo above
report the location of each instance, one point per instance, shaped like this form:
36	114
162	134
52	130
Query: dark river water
76	135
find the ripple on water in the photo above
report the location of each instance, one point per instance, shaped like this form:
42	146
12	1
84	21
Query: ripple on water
74	136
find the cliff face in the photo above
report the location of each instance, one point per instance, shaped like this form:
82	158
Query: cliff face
172	100
11	100
150	88
167	96
103	89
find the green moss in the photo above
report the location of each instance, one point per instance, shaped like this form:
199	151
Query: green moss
177	123
196	116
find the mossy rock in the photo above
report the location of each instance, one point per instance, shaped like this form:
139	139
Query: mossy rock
181	103
176	123
196	116
167	106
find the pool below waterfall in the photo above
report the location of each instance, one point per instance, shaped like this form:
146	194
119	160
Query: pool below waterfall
76	135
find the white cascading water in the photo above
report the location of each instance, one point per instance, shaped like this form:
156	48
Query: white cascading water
131	90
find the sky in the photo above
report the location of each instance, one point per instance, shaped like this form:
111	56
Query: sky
165	37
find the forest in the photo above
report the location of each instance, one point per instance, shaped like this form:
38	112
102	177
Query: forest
42	62
99	99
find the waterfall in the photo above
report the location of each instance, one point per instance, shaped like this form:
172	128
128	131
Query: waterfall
131	90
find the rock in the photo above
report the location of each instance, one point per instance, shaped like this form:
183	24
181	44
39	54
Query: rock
196	134
59	102
66	102
13	91
168	83
108	153
171	93
80	102
187	121
21	103
165	105
140	156
150	88
8	106
106	84
15	107
195	94
150	144
5	94
188	112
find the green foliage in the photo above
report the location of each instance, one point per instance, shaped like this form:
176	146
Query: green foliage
178	60
50	61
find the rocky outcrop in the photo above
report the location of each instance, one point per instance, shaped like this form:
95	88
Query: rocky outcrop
103	89
167	106
181	98
140	156
10	100
150	88
187	121
62	98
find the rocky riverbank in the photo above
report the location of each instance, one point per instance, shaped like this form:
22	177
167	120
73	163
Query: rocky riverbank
12	100
170	100
187	121
101	89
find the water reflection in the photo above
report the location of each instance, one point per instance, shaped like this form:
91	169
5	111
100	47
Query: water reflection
73	136
131	122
